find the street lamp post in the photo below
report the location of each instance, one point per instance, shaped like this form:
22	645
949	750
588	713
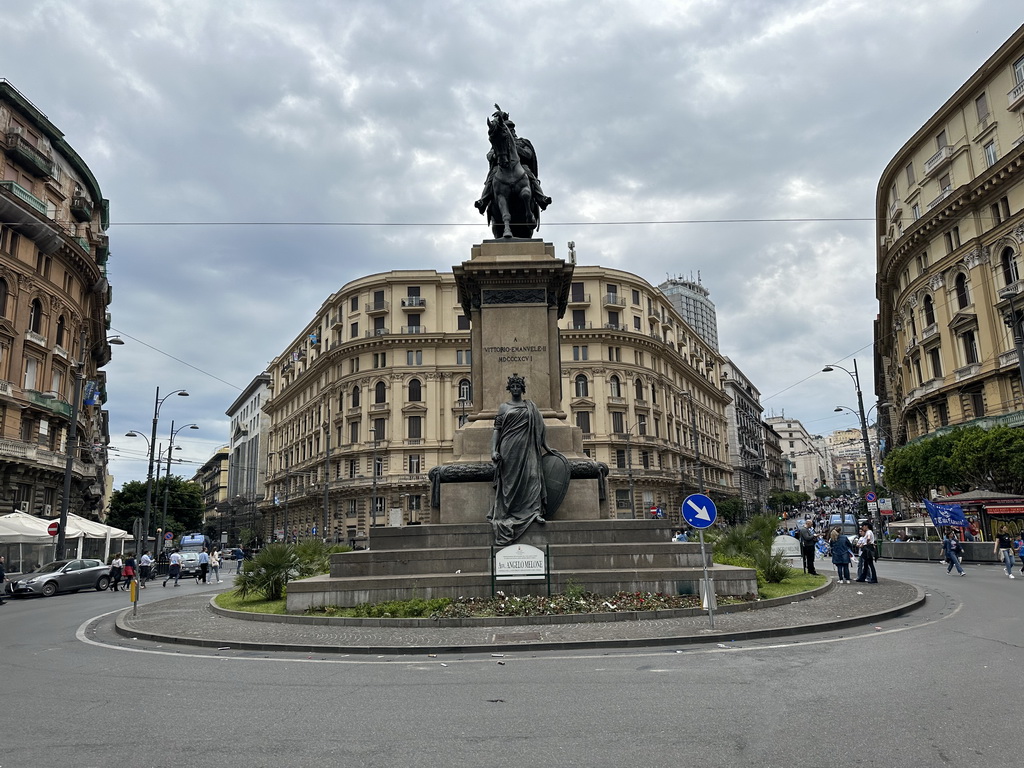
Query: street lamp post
327	473
373	481
72	449
167	476
158	402
876	517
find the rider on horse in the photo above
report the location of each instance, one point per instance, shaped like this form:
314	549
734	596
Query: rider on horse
527	156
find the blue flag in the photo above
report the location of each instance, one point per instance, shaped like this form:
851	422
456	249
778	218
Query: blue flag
941	515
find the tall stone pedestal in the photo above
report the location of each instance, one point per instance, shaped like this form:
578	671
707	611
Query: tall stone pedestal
514	292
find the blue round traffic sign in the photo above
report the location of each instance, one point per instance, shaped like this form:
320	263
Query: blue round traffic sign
699	511
870	496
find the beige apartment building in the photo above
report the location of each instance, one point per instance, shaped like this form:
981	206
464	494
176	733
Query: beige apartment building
950	232
53	301
370	394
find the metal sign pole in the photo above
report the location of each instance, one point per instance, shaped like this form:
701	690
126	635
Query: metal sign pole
708	587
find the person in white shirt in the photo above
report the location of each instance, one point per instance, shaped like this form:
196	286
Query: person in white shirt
866	567
173	568
145	568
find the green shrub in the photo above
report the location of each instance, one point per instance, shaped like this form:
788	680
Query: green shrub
392	609
772	567
269	572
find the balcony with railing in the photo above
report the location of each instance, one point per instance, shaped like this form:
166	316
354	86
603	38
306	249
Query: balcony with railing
378	332
579	298
414	302
895	210
938	160
413	329
36	338
616	327
587	326
378	307
930	331
1008	358
967	371
613	300
83	243
946	192
27	155
14	189
81	208
1015	98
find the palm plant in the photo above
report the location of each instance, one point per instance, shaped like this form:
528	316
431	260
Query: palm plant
269	572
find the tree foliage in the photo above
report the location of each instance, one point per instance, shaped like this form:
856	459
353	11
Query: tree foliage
781	499
184	505
962	460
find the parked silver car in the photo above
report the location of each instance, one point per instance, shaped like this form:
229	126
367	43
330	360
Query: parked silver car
61	576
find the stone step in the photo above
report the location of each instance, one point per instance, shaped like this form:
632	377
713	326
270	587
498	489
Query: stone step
448	536
566	557
349	592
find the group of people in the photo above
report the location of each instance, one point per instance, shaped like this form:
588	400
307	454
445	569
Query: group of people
124	568
842	549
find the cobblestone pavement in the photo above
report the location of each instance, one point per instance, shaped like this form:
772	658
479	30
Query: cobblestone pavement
189	620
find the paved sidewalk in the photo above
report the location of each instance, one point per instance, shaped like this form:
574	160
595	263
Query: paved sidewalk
190	620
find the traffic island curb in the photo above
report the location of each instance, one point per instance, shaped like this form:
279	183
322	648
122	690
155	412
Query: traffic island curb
124	628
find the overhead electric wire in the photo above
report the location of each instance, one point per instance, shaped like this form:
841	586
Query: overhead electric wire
627	222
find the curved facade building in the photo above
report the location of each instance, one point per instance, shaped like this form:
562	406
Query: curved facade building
371	393
950	233
53	301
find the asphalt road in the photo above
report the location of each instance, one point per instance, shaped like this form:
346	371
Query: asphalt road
940	686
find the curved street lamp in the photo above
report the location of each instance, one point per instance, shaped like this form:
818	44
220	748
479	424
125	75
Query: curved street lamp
158	403
855	376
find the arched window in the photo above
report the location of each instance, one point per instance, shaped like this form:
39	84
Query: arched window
355	397
639	386
615	386
35	316
415	391
465	390
582	386
380	393
60	331
929	311
3	298
963	297
1008	260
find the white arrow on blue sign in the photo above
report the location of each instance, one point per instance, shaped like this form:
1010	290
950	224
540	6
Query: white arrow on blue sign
699	511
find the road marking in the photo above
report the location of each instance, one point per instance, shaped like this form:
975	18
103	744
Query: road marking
417	661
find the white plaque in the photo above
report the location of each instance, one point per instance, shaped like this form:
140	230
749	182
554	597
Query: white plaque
519	561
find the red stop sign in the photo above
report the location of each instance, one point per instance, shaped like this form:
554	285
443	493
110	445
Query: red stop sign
53	528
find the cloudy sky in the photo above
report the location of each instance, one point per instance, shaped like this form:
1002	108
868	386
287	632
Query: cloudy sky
259	154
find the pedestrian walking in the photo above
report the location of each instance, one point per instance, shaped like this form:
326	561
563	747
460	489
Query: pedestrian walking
173	568
841	554
116	567
239	557
145	568
204	566
808	543
1019	544
952	550
215	565
129	570
1004	549
866	544
3	578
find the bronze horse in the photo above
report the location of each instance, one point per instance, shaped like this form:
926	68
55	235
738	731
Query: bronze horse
517	212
